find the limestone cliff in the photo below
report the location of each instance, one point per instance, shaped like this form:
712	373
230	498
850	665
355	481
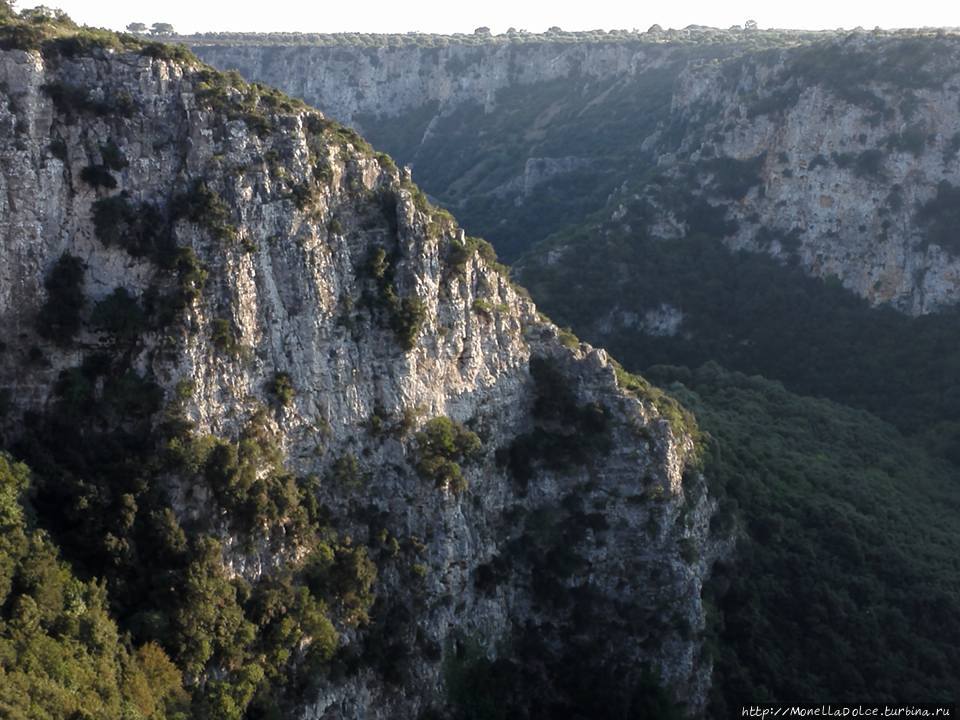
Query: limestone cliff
836	150
288	273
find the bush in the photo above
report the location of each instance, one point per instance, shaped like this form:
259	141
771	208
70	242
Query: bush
98	176
204	207
191	277
940	218
224	338
60	316
120	315
139	228
345	472
442	445
408	320
870	164
71	101
58	148
566	434
282	388
173	52
733	178
113	157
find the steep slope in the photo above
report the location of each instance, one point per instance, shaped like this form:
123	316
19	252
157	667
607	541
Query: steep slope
830	156
315	443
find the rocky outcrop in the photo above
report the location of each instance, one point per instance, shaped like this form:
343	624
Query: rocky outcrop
299	254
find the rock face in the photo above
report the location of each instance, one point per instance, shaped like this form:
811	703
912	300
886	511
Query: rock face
352	82
303	255
833	169
846	171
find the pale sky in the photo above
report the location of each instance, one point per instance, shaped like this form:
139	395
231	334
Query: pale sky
464	15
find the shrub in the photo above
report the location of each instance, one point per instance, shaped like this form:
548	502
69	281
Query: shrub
482	308
60	316
940	218
113	157
870	164
131	395
174	52
407	321
912	139
139	228
120	315
98	176
733	178
71	101
282	388
204	207
442	445
819	160
345	472
191	276
224	338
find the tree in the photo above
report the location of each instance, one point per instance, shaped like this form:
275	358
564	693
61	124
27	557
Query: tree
750	25
482	31
137	28
162	29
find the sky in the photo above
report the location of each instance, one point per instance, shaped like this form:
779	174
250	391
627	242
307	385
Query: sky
452	16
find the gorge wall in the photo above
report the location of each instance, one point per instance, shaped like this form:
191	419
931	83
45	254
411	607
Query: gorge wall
279	343
836	151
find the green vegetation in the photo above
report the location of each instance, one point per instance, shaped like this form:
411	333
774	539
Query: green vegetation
733	178
407	321
204	207
102	494
54	34
939	218
120	315
406	315
138	228
72	102
531	679
694	35
443	445
681	420
281	387
566	433
345	472
758	316
98	176
224	338
61	655
60	317
870	164
144	230
845	584
236	99
470	155
113	157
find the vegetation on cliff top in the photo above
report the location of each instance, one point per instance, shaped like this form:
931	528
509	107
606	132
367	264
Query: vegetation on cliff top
749	37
